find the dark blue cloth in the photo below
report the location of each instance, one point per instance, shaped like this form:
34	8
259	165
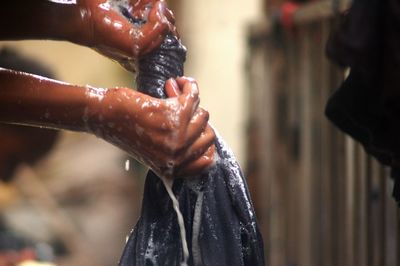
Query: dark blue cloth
367	104
220	222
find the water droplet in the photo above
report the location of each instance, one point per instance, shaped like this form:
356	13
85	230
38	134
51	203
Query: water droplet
127	165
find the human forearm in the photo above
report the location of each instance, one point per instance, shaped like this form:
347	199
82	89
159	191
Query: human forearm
92	23
170	136
33	100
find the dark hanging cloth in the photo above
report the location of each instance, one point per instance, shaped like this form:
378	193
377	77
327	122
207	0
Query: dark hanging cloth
220	222
367	104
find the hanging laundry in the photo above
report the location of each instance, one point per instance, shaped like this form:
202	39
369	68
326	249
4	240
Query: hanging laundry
367	104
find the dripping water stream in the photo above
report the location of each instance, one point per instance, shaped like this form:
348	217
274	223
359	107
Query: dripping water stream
168	183
153	71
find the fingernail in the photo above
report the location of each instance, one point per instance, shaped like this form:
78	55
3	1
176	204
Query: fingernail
174	84
195	88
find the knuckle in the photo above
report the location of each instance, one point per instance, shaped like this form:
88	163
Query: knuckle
189	79
180	148
170	148
210	137
195	88
211	132
205	113
173	148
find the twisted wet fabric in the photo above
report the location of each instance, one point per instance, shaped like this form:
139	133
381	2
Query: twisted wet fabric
221	226
366	106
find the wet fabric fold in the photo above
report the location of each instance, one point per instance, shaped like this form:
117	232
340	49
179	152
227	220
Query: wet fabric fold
367	104
220	222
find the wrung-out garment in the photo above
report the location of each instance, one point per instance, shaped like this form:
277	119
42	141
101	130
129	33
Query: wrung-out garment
367	105
220	223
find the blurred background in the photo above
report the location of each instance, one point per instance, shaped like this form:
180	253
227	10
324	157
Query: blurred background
320	200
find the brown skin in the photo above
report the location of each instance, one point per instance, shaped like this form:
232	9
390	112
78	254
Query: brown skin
90	23
171	136
190	163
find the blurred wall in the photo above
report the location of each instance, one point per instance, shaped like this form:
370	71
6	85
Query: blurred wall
215	35
73	63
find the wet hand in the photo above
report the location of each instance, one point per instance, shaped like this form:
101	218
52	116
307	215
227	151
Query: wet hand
201	152
113	35
171	136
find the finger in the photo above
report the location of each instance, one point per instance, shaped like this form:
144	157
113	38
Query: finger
189	101
161	14
199	146
140	4
152	37
182	80
140	9
174	31
171	88
198	165
158	12
159	7
197	131
197	127
169	15
153	32
190	94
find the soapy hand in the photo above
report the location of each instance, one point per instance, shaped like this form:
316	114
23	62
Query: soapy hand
194	163
171	136
113	35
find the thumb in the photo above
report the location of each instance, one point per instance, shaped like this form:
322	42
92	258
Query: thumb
171	88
